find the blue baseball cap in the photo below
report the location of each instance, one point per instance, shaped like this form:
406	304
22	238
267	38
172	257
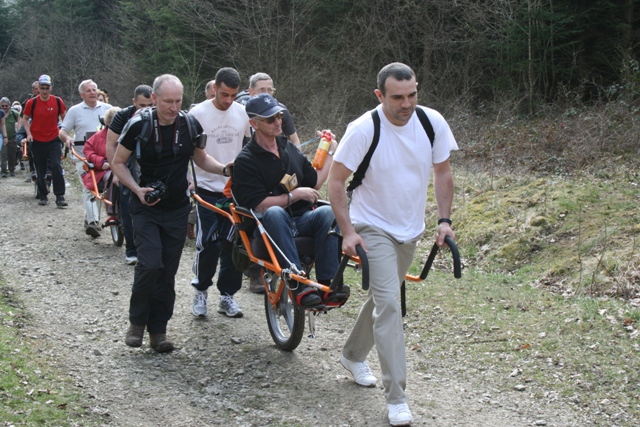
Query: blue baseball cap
262	105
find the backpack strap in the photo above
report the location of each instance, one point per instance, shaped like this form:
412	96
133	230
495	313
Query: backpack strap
146	116
59	108
33	105
358	176
426	124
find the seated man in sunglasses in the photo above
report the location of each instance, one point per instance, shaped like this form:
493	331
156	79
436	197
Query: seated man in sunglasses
273	177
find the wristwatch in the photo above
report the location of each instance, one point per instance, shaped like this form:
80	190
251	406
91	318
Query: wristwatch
331	153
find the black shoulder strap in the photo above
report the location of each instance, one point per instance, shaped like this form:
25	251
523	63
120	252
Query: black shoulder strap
146	116
358	176
33	105
191	124
426	124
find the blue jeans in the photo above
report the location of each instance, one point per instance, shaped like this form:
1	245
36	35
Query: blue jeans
314	223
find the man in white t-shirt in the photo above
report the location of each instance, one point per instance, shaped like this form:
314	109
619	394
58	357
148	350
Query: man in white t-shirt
226	124
80	119
386	218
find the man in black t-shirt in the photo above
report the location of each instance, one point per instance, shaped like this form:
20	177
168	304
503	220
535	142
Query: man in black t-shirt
141	99
160	223
289	210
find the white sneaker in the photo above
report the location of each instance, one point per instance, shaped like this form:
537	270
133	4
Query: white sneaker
229	307
399	415
199	308
131	260
361	372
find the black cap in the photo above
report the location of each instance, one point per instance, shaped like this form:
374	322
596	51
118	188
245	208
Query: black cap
263	105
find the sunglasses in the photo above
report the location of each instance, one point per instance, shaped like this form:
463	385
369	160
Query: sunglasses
4	106
272	119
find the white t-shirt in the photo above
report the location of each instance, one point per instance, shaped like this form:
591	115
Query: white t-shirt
225	131
82	119
393	194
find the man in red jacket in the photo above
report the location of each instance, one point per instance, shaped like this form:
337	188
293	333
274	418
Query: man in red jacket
41	116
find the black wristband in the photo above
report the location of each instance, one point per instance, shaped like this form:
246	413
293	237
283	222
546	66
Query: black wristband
224	171
447	220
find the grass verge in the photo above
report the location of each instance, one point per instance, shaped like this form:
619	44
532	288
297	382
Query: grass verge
31	390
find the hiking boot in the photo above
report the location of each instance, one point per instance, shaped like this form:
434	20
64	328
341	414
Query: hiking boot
131	260
229	307
399	415
199	308
160	343
92	229
43	201
4	174
361	372
12	173
256	284
60	202
134	336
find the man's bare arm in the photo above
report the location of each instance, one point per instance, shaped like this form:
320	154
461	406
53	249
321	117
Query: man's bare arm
338	175
443	186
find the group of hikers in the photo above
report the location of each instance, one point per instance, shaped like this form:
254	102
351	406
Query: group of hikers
249	137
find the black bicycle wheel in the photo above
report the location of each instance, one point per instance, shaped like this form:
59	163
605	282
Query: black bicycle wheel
117	234
286	320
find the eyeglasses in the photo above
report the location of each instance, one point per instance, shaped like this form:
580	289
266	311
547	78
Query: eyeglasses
272	119
269	90
4	106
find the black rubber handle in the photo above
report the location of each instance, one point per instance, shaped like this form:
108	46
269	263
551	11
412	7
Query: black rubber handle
364	262
457	269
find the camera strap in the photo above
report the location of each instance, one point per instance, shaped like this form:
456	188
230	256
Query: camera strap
158	140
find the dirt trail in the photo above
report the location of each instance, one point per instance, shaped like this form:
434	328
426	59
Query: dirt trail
225	371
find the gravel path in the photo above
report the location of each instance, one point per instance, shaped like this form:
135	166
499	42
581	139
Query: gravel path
225	371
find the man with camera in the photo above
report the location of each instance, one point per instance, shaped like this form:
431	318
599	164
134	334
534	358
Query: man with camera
163	145
271	176
80	119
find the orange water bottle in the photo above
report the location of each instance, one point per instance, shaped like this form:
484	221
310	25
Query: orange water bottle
321	152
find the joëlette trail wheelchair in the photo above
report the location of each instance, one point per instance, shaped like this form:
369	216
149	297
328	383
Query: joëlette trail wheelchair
285	318
109	194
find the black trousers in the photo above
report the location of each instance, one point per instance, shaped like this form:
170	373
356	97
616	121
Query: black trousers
51	152
209	252
159	236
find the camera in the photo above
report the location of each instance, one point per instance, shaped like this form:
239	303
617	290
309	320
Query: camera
159	190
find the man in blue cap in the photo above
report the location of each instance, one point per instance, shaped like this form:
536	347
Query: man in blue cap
271	176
